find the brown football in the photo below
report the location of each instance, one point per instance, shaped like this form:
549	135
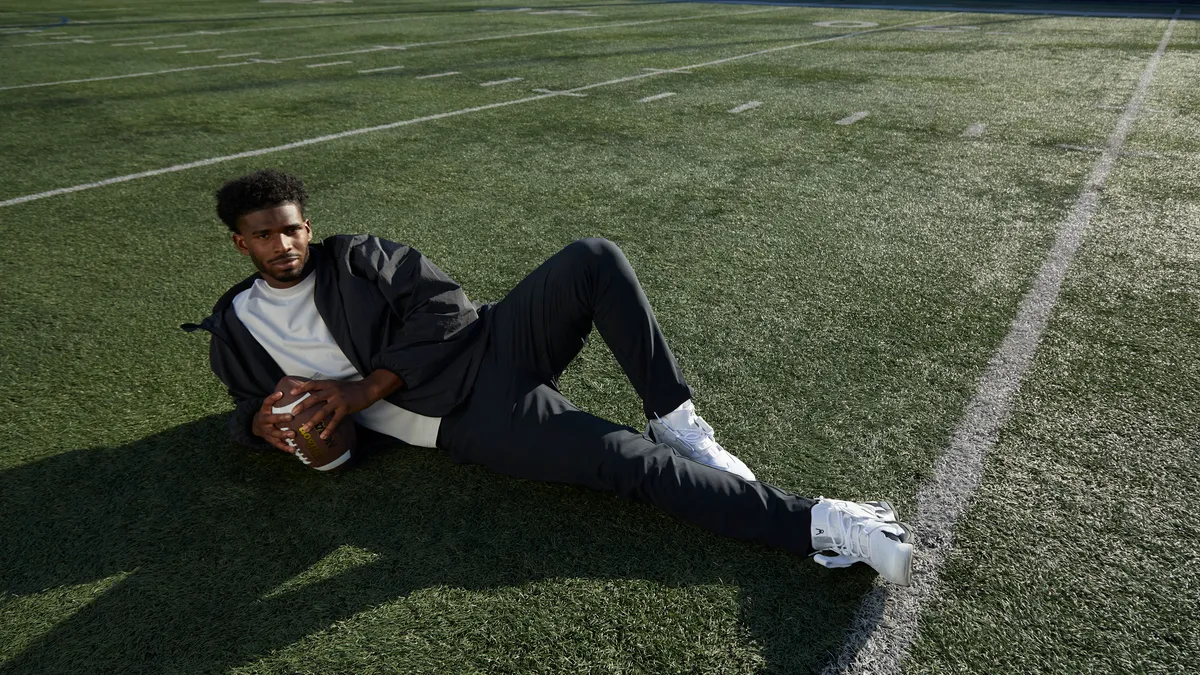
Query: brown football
310	448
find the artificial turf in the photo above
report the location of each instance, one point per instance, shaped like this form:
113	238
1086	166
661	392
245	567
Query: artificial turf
832	292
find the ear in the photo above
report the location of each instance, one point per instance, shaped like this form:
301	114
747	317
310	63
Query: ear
240	242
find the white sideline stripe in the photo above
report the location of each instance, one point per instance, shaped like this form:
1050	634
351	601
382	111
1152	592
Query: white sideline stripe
200	51
886	623
416	120
975	130
599	26
331	63
133	44
442	42
656	97
504	81
380	70
259	29
851	119
150	49
426	77
121	77
420	44
749	105
70	37
668	70
560	93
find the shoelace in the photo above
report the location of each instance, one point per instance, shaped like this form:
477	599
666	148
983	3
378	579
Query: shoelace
694	435
853	536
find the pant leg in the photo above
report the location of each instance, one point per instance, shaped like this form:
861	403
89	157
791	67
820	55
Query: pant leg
519	426
543	323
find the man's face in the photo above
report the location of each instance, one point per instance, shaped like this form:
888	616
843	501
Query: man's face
276	239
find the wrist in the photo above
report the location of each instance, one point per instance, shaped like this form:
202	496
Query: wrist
381	383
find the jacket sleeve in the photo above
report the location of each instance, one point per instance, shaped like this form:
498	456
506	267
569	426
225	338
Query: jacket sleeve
245	402
432	307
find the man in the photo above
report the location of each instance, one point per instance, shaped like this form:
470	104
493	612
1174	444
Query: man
394	344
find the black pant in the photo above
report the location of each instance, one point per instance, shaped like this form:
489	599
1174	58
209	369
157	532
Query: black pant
516	422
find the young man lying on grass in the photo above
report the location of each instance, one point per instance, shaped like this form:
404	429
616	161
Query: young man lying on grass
392	343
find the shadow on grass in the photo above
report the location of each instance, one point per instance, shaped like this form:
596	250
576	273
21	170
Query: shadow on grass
204	533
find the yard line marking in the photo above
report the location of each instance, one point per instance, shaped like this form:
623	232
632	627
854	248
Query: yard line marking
380	70
70	37
121	77
133	44
851	119
560	93
200	51
668	70
750	105
424	44
258	29
1094	149
150	49
324	65
504	81
656	97
417	120
975	130
598	26
345	53
426	77
886	623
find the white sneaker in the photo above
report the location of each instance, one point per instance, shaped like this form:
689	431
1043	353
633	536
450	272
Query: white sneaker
689	435
855	533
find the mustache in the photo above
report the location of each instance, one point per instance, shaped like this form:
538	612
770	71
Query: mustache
290	256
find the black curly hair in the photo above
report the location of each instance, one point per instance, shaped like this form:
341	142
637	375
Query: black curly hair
260	190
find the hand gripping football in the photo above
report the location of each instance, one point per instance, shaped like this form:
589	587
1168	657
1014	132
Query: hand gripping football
310	448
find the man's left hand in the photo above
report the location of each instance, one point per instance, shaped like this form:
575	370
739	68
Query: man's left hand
340	399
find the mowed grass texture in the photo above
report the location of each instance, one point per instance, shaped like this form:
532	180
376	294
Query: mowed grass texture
833	293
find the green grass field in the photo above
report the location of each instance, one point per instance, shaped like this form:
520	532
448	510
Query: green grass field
834	293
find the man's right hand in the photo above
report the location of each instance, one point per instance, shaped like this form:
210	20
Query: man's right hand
264	424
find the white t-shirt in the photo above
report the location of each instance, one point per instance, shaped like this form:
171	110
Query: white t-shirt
286	323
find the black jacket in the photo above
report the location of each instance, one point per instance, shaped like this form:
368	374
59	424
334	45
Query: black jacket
386	307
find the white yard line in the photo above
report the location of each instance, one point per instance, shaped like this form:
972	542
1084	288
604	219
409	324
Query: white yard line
429	77
418	44
504	81
749	105
887	621
133	44
417	120
326	65
851	119
656	97
975	130
121	77
561	93
150	49
442	42
200	51
381	70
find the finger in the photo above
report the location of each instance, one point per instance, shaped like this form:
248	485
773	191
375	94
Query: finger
275	420
317	418
338	416
280	444
270	400
314	397
307	386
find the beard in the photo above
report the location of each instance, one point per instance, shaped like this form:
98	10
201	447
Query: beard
284	276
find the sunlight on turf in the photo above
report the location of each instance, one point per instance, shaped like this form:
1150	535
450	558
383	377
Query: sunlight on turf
342	559
25	618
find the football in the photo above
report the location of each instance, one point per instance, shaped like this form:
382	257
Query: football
310	448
